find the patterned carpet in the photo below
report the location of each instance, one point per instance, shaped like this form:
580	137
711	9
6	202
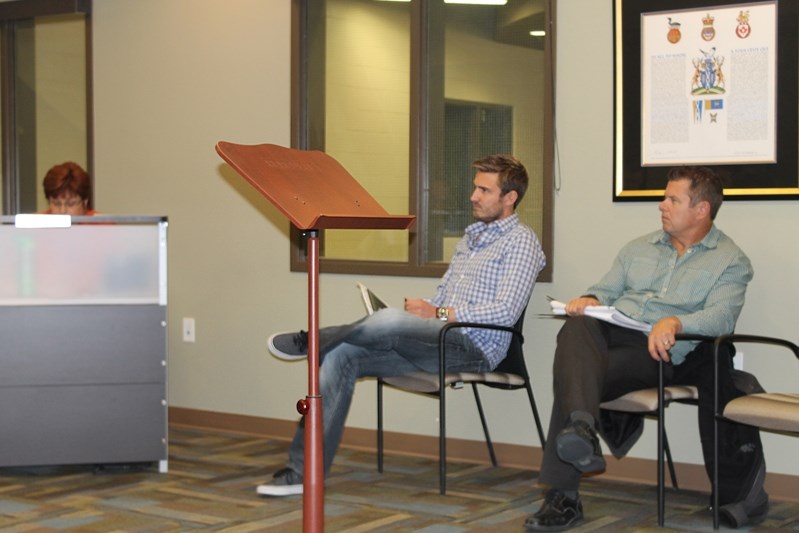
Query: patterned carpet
211	480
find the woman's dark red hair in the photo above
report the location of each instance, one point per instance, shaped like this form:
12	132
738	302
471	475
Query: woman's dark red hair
67	178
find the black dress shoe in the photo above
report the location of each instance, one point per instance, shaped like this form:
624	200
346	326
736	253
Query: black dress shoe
557	513
578	445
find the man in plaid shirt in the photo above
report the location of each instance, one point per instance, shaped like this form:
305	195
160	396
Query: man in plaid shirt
489	280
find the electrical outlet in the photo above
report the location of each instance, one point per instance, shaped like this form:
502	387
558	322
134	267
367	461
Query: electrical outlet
188	330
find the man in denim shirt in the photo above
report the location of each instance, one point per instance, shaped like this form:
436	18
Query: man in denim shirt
489	280
688	277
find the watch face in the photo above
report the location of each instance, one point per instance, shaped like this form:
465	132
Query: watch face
442	313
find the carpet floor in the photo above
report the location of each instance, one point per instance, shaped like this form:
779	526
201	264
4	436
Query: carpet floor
210	486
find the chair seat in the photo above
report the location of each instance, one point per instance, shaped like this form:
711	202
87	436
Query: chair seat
646	400
768	410
421	381
504	378
428	383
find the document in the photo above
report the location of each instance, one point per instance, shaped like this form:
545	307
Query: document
370	300
604	312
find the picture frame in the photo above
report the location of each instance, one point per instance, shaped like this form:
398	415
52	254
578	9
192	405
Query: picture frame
756	160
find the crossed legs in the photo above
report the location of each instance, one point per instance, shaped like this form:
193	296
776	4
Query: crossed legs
596	362
389	343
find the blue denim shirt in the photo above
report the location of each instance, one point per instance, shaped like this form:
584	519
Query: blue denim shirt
704	288
490	279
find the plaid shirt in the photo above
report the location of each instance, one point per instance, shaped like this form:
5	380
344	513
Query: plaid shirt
490	279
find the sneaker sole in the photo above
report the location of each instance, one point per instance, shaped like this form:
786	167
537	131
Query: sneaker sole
283	356
279	490
580	454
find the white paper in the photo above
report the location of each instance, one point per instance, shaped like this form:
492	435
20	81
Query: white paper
607	313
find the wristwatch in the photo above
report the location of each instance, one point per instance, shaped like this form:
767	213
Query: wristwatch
442	313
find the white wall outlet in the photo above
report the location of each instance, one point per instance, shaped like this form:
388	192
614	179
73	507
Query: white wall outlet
188	330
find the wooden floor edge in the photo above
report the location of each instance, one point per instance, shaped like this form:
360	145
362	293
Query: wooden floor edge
631	469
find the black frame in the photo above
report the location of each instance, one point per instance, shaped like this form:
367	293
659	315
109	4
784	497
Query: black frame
633	182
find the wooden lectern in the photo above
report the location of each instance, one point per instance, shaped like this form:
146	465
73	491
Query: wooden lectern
314	192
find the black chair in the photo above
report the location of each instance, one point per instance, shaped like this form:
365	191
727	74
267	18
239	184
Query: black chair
772	411
510	374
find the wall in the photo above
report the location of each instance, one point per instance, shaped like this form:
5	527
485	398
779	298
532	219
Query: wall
173	77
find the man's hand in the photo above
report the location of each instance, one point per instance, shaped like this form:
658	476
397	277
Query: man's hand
577	306
661	338
420	308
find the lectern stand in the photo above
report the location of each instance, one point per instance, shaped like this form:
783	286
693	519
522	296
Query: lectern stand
314	192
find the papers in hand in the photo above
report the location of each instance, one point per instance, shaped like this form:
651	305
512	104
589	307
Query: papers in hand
604	312
370	300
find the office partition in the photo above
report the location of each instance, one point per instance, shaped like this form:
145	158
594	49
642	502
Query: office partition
83	342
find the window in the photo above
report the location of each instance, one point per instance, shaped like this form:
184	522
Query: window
46	95
405	95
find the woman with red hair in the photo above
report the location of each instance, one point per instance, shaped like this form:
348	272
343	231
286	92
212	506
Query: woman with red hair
68	189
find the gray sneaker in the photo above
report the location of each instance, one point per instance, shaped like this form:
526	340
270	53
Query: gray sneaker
289	346
285	482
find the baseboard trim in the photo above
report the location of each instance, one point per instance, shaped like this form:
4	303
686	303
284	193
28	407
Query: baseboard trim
631	469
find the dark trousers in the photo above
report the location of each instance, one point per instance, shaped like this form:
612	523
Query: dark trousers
596	362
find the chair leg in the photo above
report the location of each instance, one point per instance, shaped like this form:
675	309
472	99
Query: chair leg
485	425
661	438
380	425
669	461
442	439
715	482
538	425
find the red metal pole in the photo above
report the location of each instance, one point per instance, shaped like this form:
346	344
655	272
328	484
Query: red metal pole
314	474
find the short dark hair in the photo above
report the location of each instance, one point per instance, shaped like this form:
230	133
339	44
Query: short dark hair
67	177
706	185
512	174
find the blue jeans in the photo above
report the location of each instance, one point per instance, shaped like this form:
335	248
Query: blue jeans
388	343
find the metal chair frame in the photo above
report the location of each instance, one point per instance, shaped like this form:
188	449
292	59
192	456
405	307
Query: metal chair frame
513	364
661	436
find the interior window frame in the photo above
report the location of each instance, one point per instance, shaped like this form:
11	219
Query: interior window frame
304	104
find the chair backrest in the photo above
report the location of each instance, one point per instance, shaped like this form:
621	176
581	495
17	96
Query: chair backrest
513	363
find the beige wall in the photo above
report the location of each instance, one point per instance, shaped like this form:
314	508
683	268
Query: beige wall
173	77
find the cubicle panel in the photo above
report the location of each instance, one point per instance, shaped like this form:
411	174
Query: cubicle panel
92	263
91	424
70	345
83	342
